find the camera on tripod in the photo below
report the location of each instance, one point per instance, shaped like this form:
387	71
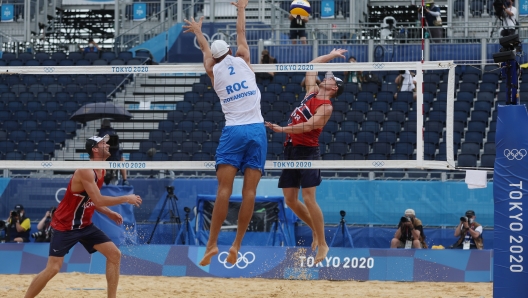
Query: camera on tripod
170	190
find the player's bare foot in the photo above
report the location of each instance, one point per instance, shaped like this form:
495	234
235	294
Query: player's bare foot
209	253
314	242
232	257
321	253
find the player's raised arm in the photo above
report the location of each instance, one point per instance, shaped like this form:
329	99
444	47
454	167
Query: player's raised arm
196	28
243	48
311	76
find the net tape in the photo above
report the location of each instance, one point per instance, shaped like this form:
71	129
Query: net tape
270	165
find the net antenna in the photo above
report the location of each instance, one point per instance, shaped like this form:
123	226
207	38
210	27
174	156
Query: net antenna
182	70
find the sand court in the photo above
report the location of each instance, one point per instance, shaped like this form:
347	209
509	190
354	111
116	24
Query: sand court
67	285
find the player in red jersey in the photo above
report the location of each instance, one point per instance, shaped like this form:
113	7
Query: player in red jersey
72	221
302	143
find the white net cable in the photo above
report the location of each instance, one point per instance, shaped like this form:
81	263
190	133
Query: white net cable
194	69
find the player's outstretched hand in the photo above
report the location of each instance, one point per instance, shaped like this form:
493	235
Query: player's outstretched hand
274	127
240	3
338	53
193	26
116	217
134	200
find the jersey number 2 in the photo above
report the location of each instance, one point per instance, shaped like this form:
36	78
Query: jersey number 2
232	70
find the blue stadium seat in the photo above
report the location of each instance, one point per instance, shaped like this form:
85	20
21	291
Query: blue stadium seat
397	116
487	160
354	156
210	147
18	135
347	97
287	97
184	106
35	156
146	145
325	137
190	147
169	147
360	148
432	137
37	136
215	116
283	106
488	87
365	137
157	136
387	137
485	96
201	156
350	126
32	62
341	106
360	106
404	148
180	156
480	116
58	136
375	116
467	160
392	126
60	115
372	126
370	87
108	56
343	137
210	97
16	62
138	156
125	56
29	79
331	156
477	126
7	146
435	126
198	136
405	96
293	88
338	147
380	106
185	125
489	148
160	156
58	56
178	136
14	156
382	148
10	125
407	137
46	147
365	97
331	126
275	148
26	146
429	87
29	125
274	88
49	62
474	136
166	126
400	106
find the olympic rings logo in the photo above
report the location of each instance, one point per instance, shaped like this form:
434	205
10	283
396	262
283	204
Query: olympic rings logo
514	154
49	69
209	164
378	164
242	262
46	164
378	65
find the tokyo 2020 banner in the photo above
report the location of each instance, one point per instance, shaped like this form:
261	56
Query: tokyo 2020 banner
510	187
451	265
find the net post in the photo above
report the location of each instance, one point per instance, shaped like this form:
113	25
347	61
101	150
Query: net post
450	112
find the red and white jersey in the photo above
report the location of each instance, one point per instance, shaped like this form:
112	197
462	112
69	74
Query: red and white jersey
302	114
75	211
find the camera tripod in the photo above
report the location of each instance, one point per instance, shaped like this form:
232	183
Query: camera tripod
173	211
344	232
186	233
275	226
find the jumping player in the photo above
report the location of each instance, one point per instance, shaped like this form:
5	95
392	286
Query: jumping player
72	221
302	143
243	143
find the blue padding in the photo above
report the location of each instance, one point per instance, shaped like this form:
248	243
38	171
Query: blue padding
510	185
119	234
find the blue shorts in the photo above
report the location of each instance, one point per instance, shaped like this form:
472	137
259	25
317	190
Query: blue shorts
62	241
243	146
296	178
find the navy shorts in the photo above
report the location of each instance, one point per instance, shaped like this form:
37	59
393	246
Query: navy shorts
294	34
296	178
62	241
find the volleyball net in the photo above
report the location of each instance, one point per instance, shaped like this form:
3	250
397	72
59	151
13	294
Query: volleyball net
168	117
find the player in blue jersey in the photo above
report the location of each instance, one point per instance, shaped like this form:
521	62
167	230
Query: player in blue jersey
243	144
